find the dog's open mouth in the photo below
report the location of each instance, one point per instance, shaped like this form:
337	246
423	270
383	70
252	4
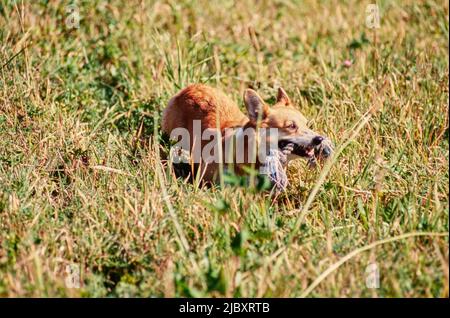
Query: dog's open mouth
299	150
306	152
309	152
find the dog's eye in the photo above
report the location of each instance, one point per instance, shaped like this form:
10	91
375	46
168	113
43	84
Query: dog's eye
292	126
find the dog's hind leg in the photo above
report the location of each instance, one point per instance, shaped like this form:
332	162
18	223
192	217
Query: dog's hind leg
180	159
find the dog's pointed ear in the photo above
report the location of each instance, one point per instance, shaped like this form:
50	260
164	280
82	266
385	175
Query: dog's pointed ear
256	108
283	97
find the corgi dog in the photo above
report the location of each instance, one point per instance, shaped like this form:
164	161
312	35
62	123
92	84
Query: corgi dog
199	113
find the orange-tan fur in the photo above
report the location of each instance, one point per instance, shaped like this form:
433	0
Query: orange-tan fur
201	102
216	110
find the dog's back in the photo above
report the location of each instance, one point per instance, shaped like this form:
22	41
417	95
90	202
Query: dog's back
200	102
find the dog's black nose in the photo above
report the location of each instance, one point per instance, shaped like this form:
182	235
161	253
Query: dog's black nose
317	140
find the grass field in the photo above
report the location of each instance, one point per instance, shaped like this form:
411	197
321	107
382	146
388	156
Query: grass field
82	185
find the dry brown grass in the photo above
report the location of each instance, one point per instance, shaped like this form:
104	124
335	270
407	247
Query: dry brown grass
79	181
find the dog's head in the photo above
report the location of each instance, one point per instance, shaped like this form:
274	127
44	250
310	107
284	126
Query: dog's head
291	125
